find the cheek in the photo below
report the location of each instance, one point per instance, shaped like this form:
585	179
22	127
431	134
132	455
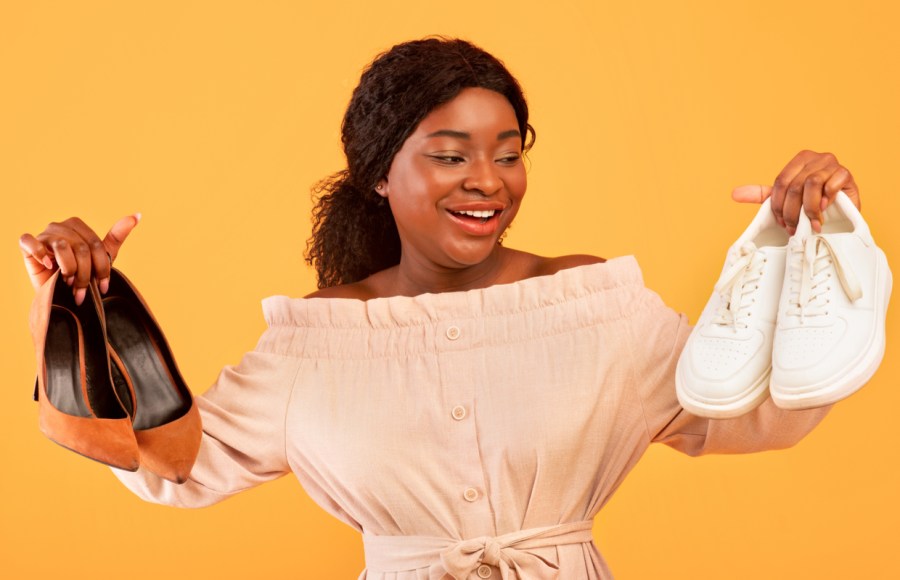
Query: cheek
517	183
415	183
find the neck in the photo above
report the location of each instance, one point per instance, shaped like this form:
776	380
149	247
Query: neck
414	276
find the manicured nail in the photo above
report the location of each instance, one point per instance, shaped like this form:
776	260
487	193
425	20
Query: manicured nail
70	280
47	262
79	295
104	285
137	216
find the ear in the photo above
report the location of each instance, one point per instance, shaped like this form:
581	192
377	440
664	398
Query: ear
381	188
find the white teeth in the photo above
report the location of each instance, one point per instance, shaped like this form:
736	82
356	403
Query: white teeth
478	214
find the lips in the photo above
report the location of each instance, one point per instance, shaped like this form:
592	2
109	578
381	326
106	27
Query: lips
480	214
477	222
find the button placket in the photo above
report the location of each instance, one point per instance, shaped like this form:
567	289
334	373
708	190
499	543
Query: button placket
460	360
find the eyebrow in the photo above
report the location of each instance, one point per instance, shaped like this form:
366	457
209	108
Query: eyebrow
463	135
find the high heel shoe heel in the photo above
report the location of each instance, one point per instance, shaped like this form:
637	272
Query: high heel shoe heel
165	419
78	406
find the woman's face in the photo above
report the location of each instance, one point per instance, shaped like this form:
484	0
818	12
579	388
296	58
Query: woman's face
457	181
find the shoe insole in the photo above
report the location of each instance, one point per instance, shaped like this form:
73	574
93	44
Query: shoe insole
776	237
158	399
63	364
836	223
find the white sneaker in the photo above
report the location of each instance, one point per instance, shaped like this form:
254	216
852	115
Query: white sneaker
724	368
829	339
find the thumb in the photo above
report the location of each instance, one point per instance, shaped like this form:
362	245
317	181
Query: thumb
117	234
751	193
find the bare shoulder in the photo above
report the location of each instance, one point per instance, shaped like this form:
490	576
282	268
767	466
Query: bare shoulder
548	266
355	291
366	289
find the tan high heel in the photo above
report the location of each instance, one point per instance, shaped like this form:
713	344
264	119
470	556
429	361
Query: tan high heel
79	407
166	420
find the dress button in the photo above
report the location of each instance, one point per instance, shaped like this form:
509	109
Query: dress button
458	413
471	494
484	571
453	332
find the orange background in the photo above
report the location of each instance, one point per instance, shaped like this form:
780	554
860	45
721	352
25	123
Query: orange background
214	118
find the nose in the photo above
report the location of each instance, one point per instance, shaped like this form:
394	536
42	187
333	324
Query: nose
483	178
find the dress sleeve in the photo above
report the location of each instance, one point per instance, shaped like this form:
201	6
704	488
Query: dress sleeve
658	336
243	441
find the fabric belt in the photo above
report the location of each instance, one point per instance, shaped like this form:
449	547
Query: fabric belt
510	552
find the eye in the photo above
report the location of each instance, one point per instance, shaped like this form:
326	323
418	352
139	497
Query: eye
511	159
447	159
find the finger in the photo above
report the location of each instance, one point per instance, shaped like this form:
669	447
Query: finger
751	193
117	234
64	256
783	182
813	195
35	252
809	182
99	264
840	180
793	203
809	179
82	252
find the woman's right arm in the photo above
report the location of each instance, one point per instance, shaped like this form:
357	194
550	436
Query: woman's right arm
243	442
243	413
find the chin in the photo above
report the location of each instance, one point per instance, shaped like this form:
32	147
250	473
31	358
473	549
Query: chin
472	254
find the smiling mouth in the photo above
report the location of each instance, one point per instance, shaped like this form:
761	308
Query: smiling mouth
481	215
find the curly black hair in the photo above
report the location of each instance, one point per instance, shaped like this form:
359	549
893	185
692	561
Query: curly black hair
354	234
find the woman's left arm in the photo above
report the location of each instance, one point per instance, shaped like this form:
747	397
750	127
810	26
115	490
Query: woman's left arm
808	183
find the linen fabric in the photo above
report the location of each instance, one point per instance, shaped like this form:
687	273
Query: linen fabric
465	434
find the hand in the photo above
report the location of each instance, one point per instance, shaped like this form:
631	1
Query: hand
77	251
809	182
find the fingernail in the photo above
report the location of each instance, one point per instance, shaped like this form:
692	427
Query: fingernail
791	230
104	285
70	280
79	295
816	225
823	204
780	221
47	262
137	216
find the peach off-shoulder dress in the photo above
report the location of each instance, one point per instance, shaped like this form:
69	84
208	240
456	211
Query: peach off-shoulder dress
466	434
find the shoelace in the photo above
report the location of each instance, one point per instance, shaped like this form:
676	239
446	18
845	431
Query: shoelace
811	281
741	279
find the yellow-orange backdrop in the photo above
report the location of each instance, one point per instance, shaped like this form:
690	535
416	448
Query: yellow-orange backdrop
214	118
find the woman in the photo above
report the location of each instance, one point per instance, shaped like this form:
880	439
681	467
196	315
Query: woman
468	407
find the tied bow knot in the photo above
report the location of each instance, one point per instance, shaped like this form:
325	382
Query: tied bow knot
514	554
463	558
492	553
